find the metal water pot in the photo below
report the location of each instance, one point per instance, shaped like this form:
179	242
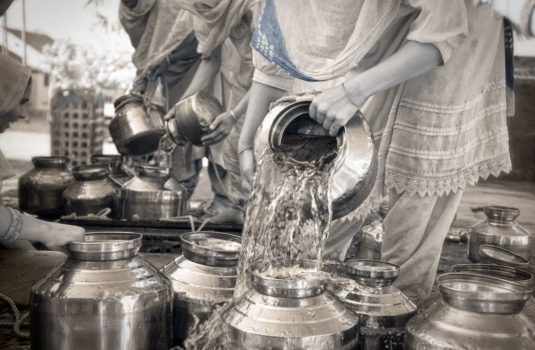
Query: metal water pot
114	162
152	194
356	163
383	309
102	297
135	131
41	189
203	277
500	229
474	312
290	313
91	192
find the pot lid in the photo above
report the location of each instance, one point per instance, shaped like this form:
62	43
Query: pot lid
50	162
501	214
211	248
509	273
496	255
90	172
104	246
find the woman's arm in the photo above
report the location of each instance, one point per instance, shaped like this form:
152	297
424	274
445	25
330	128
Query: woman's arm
206	73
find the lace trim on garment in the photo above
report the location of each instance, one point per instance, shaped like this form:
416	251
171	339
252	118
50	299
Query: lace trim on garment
443	185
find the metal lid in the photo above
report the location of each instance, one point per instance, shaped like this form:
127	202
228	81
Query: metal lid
104	246
90	172
211	248
492	254
126	99
305	280
482	293
50	162
509	273
372	273
501	214
152	171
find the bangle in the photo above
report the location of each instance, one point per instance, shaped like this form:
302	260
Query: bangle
233	115
245	149
13	232
348	95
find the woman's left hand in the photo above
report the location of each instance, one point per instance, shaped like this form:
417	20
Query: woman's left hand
219	129
333	109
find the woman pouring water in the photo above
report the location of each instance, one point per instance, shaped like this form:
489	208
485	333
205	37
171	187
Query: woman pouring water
429	77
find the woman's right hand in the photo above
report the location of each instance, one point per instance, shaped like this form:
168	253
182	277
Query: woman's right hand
51	234
247	169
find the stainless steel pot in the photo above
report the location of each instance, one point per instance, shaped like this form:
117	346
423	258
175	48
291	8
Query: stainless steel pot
133	130
41	189
474	312
102	297
202	278
290	313
366	287
91	192
356	163
152	194
500	229
114	162
490	254
190	119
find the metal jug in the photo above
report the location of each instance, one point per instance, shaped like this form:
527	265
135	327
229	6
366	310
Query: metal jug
356	163
152	194
366	287
91	192
202	278
500	229
41	189
102	297
474	312
290	313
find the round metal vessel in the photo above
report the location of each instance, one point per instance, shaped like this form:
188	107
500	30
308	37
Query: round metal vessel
114	163
202	278
499	229
41	189
474	312
133	130
91	192
290	313
356	162
366	287
490	254
152	194
508	273
102	297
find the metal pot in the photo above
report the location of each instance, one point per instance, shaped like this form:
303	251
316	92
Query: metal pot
356	163
191	117
153	194
91	192
202	278
289	313
508	273
366	287
102	297
474	312
41	189
114	162
490	254
133	130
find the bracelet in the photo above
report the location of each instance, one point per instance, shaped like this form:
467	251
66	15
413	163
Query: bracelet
233	115
13	232
245	149
348	95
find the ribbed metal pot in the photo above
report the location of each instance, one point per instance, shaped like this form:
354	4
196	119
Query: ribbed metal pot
91	192
290	313
366	287
499	229
102	297
152	194
41	189
473	312
204	277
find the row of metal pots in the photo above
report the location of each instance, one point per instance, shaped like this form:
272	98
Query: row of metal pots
106	297
51	190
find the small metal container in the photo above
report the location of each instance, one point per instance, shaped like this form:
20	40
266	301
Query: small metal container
490	254
41	189
102	297
134	131
91	192
202	278
499	229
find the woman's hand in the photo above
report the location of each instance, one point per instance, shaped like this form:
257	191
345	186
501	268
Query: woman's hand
220	128
333	108
51	234
247	169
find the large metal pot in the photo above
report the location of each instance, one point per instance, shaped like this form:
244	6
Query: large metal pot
91	192
383	309
356	163
152	194
133	130
202	278
41	189
102	297
290	313
475	312
190	119
500	229
114	162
